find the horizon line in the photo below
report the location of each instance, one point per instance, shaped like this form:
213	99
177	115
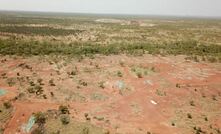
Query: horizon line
117	14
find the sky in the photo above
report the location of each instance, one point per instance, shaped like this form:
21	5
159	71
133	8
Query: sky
208	8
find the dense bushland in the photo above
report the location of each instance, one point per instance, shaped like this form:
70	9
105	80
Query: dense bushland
13	47
38	30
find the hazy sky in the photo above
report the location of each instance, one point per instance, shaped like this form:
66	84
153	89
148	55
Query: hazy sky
151	7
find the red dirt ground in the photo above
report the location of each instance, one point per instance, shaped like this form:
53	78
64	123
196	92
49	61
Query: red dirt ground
130	113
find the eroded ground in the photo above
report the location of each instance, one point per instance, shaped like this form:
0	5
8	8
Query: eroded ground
120	94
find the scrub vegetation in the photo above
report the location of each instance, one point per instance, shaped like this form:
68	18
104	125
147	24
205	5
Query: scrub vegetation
105	74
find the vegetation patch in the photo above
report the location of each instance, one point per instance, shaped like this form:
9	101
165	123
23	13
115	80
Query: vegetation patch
141	72
5	114
98	97
53	121
38	30
18	47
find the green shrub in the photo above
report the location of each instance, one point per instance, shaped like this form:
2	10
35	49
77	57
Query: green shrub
64	109
40	118
214	97
178	85
7	105
192	103
11	82
160	93
40	81
83	83
195	58
101	84
38	90
189	116
206	119
32	83
85	130
65	119
139	75
198	130
121	64
31	90
51	82
119	74
72	73
153	69
212	59
38	130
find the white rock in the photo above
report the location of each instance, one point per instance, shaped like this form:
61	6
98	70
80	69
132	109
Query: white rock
153	102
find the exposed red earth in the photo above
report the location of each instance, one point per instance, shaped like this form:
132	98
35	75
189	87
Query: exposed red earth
158	102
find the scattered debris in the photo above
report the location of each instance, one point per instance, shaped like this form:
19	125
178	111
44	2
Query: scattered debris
27	127
153	102
148	82
2	92
120	85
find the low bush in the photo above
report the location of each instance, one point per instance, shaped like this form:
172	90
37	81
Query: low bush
192	103
7	105
189	116
51	82
139	75
40	118
64	109
83	83
85	130
101	84
65	119
119	74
